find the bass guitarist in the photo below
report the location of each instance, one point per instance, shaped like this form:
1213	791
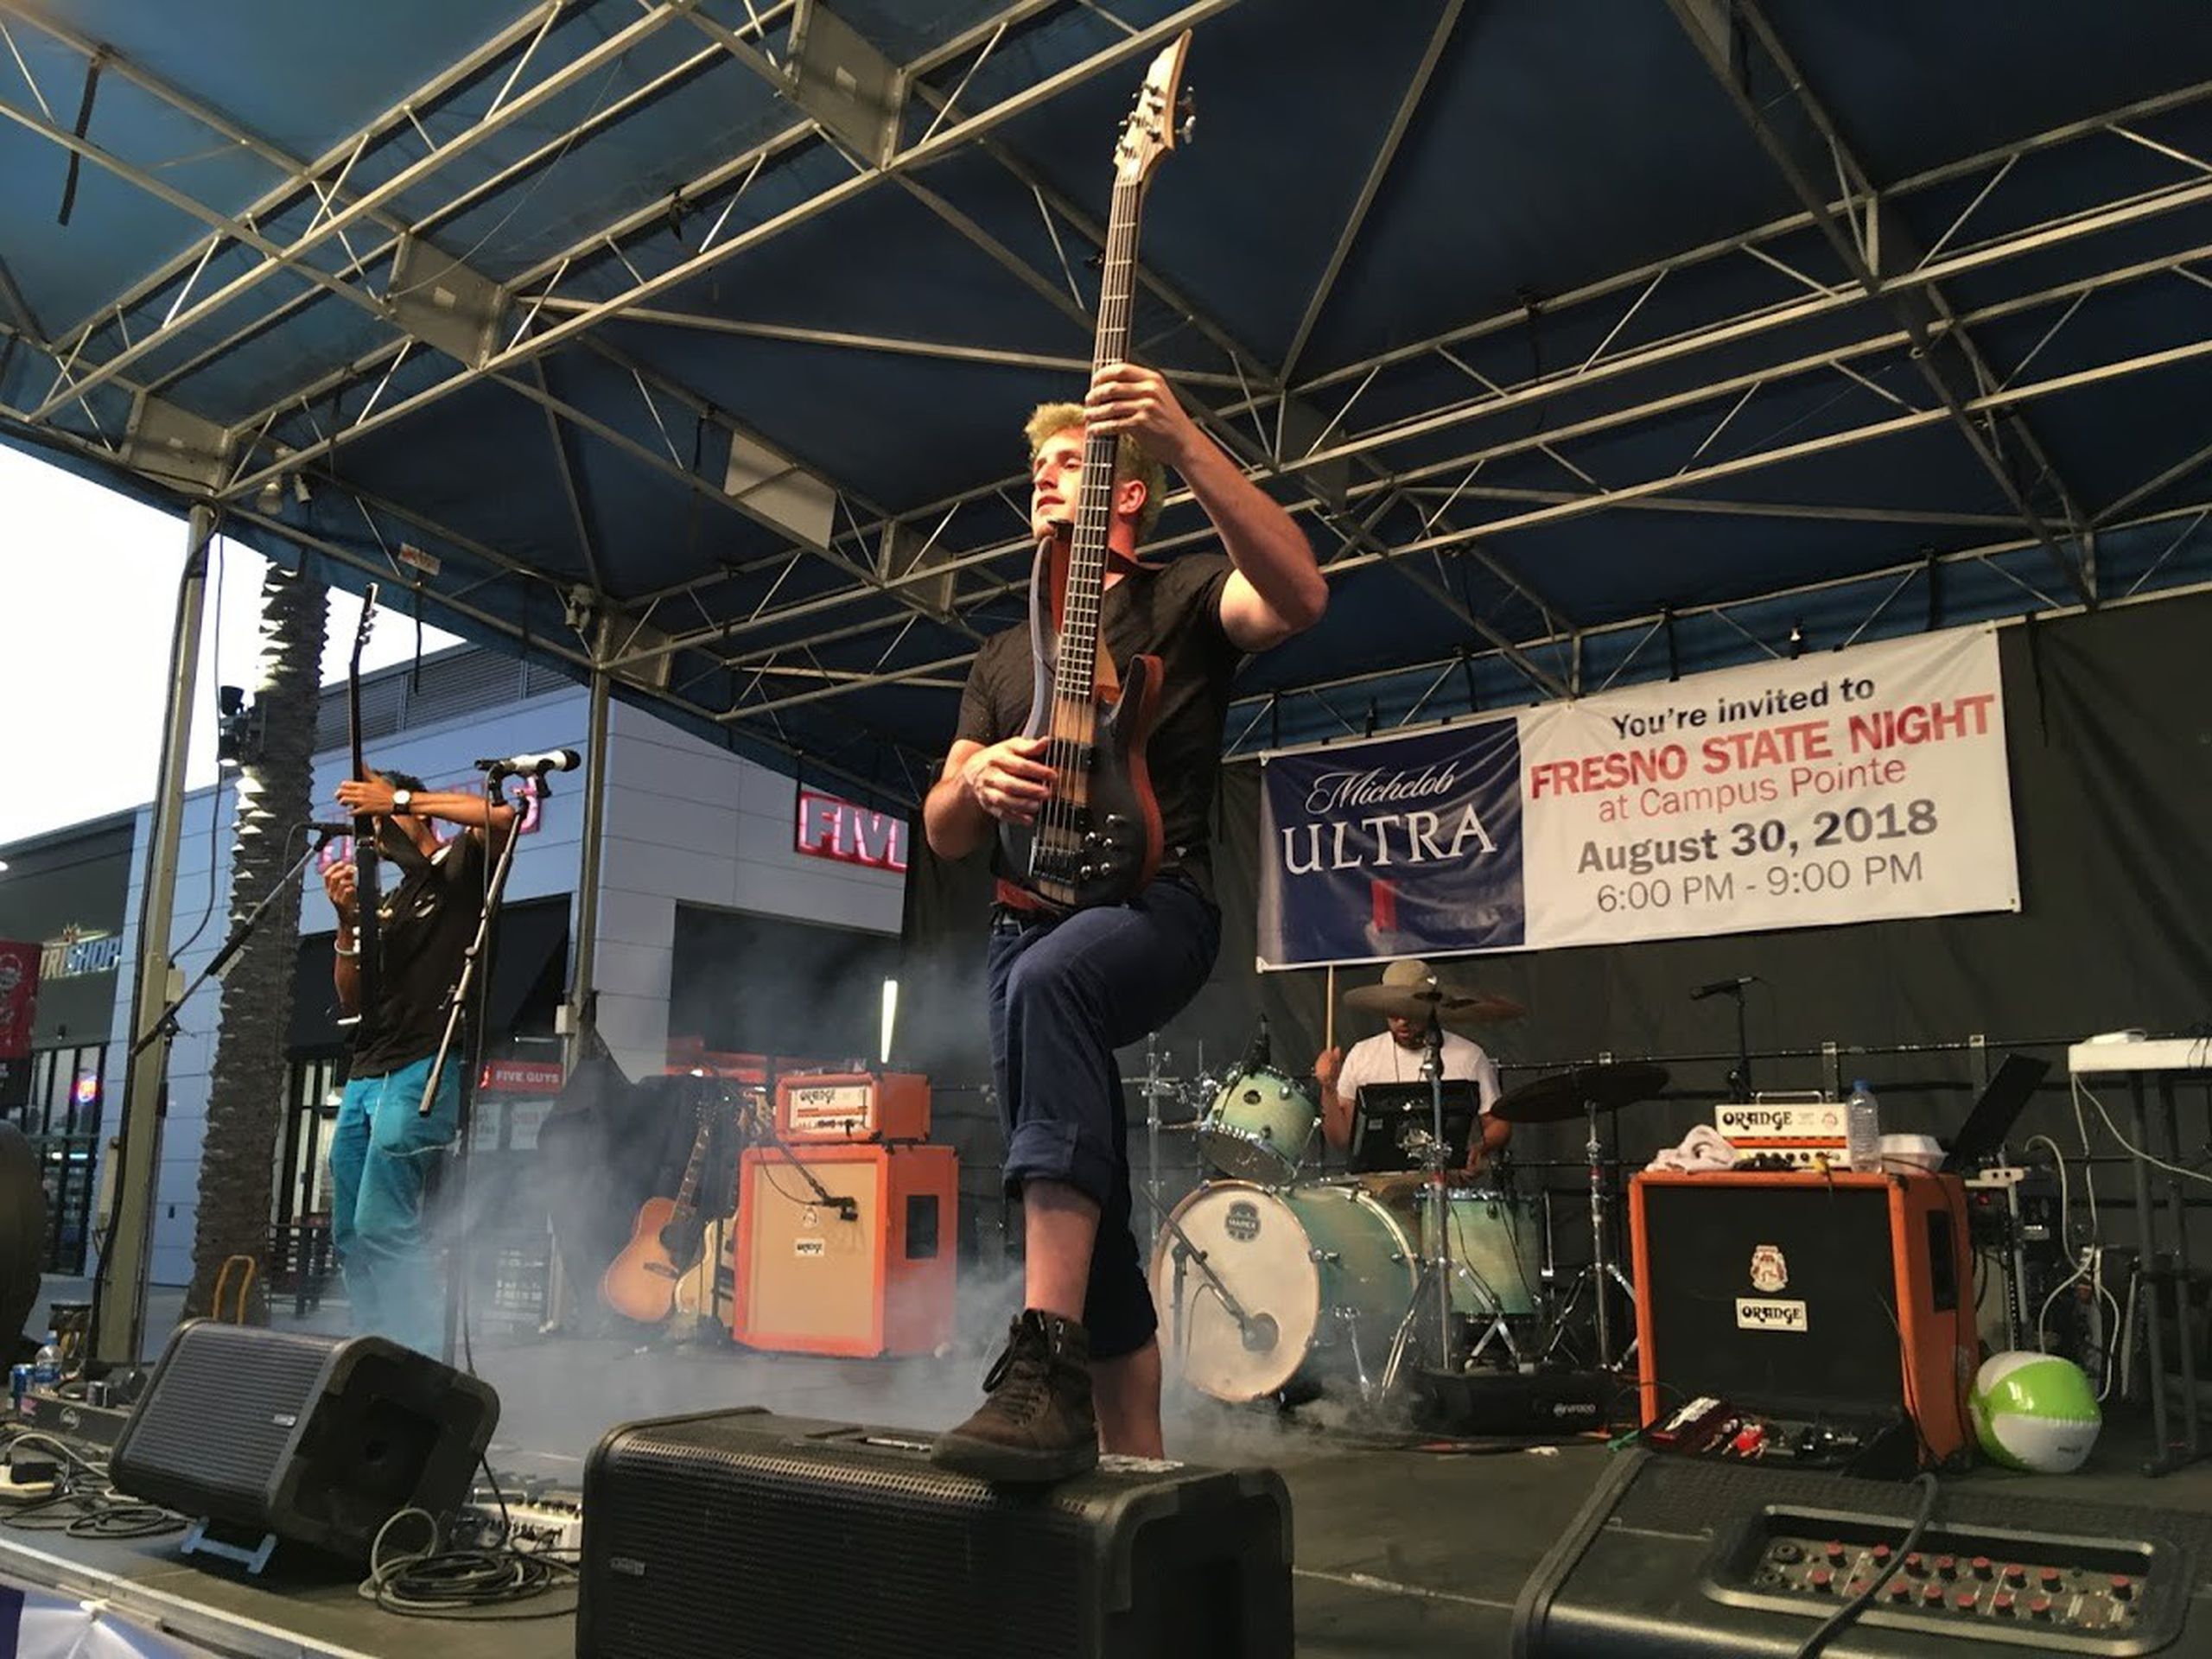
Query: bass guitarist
1067	988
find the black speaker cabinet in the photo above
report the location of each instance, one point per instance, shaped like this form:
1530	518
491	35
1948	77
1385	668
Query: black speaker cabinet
1686	1558
743	1535
264	1435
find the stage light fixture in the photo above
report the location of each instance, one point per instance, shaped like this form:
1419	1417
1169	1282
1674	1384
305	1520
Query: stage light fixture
235	745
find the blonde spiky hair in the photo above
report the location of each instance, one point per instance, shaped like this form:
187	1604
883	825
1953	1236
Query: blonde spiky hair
1048	420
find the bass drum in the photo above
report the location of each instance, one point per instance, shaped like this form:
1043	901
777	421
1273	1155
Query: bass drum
1322	1273
1259	1126
1500	1236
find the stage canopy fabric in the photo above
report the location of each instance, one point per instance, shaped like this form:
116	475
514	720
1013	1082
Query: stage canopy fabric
1591	339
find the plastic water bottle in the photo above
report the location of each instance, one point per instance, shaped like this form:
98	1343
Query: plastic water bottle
46	1365
1862	1127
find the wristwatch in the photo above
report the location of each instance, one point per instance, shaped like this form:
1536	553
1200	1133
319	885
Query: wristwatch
403	800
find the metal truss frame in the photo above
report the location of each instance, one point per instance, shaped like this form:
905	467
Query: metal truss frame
1738	46
1252	715
1293	430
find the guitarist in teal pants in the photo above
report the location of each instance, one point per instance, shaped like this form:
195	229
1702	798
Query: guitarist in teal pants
384	1146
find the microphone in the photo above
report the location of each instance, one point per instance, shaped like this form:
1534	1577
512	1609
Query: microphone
533	766
329	829
1720	985
1260	1052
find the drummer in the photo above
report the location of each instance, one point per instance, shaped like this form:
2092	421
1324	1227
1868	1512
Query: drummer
1394	1055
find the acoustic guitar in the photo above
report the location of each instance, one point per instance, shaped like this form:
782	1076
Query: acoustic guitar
1097	837
667	1242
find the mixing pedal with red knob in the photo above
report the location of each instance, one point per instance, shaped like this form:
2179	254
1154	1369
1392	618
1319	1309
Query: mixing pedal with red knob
2079	1585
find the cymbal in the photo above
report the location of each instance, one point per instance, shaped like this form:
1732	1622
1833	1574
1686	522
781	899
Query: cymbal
1568	1094
1453	1009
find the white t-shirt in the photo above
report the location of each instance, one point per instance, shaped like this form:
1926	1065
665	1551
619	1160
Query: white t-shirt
1380	1058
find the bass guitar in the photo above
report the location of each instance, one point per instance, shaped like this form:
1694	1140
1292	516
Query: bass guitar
367	926
1097	837
664	1246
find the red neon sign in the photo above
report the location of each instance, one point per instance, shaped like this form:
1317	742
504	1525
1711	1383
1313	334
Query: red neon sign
830	827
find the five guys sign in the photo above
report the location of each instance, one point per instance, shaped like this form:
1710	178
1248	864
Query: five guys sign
830	827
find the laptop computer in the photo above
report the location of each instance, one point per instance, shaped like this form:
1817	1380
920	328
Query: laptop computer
1994	1114
1385	1112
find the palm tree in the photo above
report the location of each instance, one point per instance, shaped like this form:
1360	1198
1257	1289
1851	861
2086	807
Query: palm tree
248	1091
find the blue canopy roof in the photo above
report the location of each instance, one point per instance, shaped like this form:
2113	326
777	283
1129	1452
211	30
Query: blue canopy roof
1590	339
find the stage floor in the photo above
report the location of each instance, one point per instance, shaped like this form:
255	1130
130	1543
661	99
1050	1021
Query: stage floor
1401	1551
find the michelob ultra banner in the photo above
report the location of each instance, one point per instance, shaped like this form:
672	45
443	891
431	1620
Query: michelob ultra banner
1849	786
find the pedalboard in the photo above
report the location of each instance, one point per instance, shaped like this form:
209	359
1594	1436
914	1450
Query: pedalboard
2092	1595
72	1420
533	1523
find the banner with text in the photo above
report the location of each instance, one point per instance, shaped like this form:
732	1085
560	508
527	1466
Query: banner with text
1845	787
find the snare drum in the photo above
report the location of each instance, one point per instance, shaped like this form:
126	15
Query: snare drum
1315	1269
1259	1126
1500	1236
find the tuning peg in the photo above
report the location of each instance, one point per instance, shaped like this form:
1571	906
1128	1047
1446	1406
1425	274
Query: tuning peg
1186	110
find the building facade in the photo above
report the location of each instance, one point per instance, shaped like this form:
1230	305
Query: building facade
710	915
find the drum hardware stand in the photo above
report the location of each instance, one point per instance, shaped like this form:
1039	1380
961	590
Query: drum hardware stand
1437	1267
1601	1266
1258	1330
1349	1317
1152	1090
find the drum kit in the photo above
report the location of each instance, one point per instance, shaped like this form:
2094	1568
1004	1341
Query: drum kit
1276	1283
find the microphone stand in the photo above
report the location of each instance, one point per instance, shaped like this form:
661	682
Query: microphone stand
164	1027
1740	1080
465	983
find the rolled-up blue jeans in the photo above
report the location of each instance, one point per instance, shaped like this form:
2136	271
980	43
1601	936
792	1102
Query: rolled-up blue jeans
1064	994
381	1156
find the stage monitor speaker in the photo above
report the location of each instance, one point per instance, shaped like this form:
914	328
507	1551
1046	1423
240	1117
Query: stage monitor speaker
1838	1299
743	1535
261	1435
1684	1558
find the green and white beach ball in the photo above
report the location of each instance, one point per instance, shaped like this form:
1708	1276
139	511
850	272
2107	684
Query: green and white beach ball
2034	1412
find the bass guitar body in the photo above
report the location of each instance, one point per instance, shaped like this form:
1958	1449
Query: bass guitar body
1097	839
640	1283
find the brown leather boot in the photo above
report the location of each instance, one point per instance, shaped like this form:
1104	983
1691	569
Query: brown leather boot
1038	1425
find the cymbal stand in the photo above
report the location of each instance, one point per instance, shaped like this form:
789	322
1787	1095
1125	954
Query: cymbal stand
1601	1268
1153	1091
1438	1267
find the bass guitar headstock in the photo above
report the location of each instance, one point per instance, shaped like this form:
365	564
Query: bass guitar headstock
364	627
1152	130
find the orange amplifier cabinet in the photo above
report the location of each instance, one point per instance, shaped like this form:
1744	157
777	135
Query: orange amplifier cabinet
874	1276
842	1107
1806	1296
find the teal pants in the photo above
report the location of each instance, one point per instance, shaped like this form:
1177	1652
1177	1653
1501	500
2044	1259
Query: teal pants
381	1155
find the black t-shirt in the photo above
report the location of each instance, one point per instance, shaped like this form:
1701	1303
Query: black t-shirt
427	922
1172	611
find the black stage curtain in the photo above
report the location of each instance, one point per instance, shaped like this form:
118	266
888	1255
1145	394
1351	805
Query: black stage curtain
2110	732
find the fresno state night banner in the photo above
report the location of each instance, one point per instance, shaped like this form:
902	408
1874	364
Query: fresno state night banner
1849	786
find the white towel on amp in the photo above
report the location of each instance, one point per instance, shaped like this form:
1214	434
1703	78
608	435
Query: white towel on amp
1703	1147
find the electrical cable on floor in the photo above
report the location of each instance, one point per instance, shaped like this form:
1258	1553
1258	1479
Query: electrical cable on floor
1844	1615
83	1503
478	1582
